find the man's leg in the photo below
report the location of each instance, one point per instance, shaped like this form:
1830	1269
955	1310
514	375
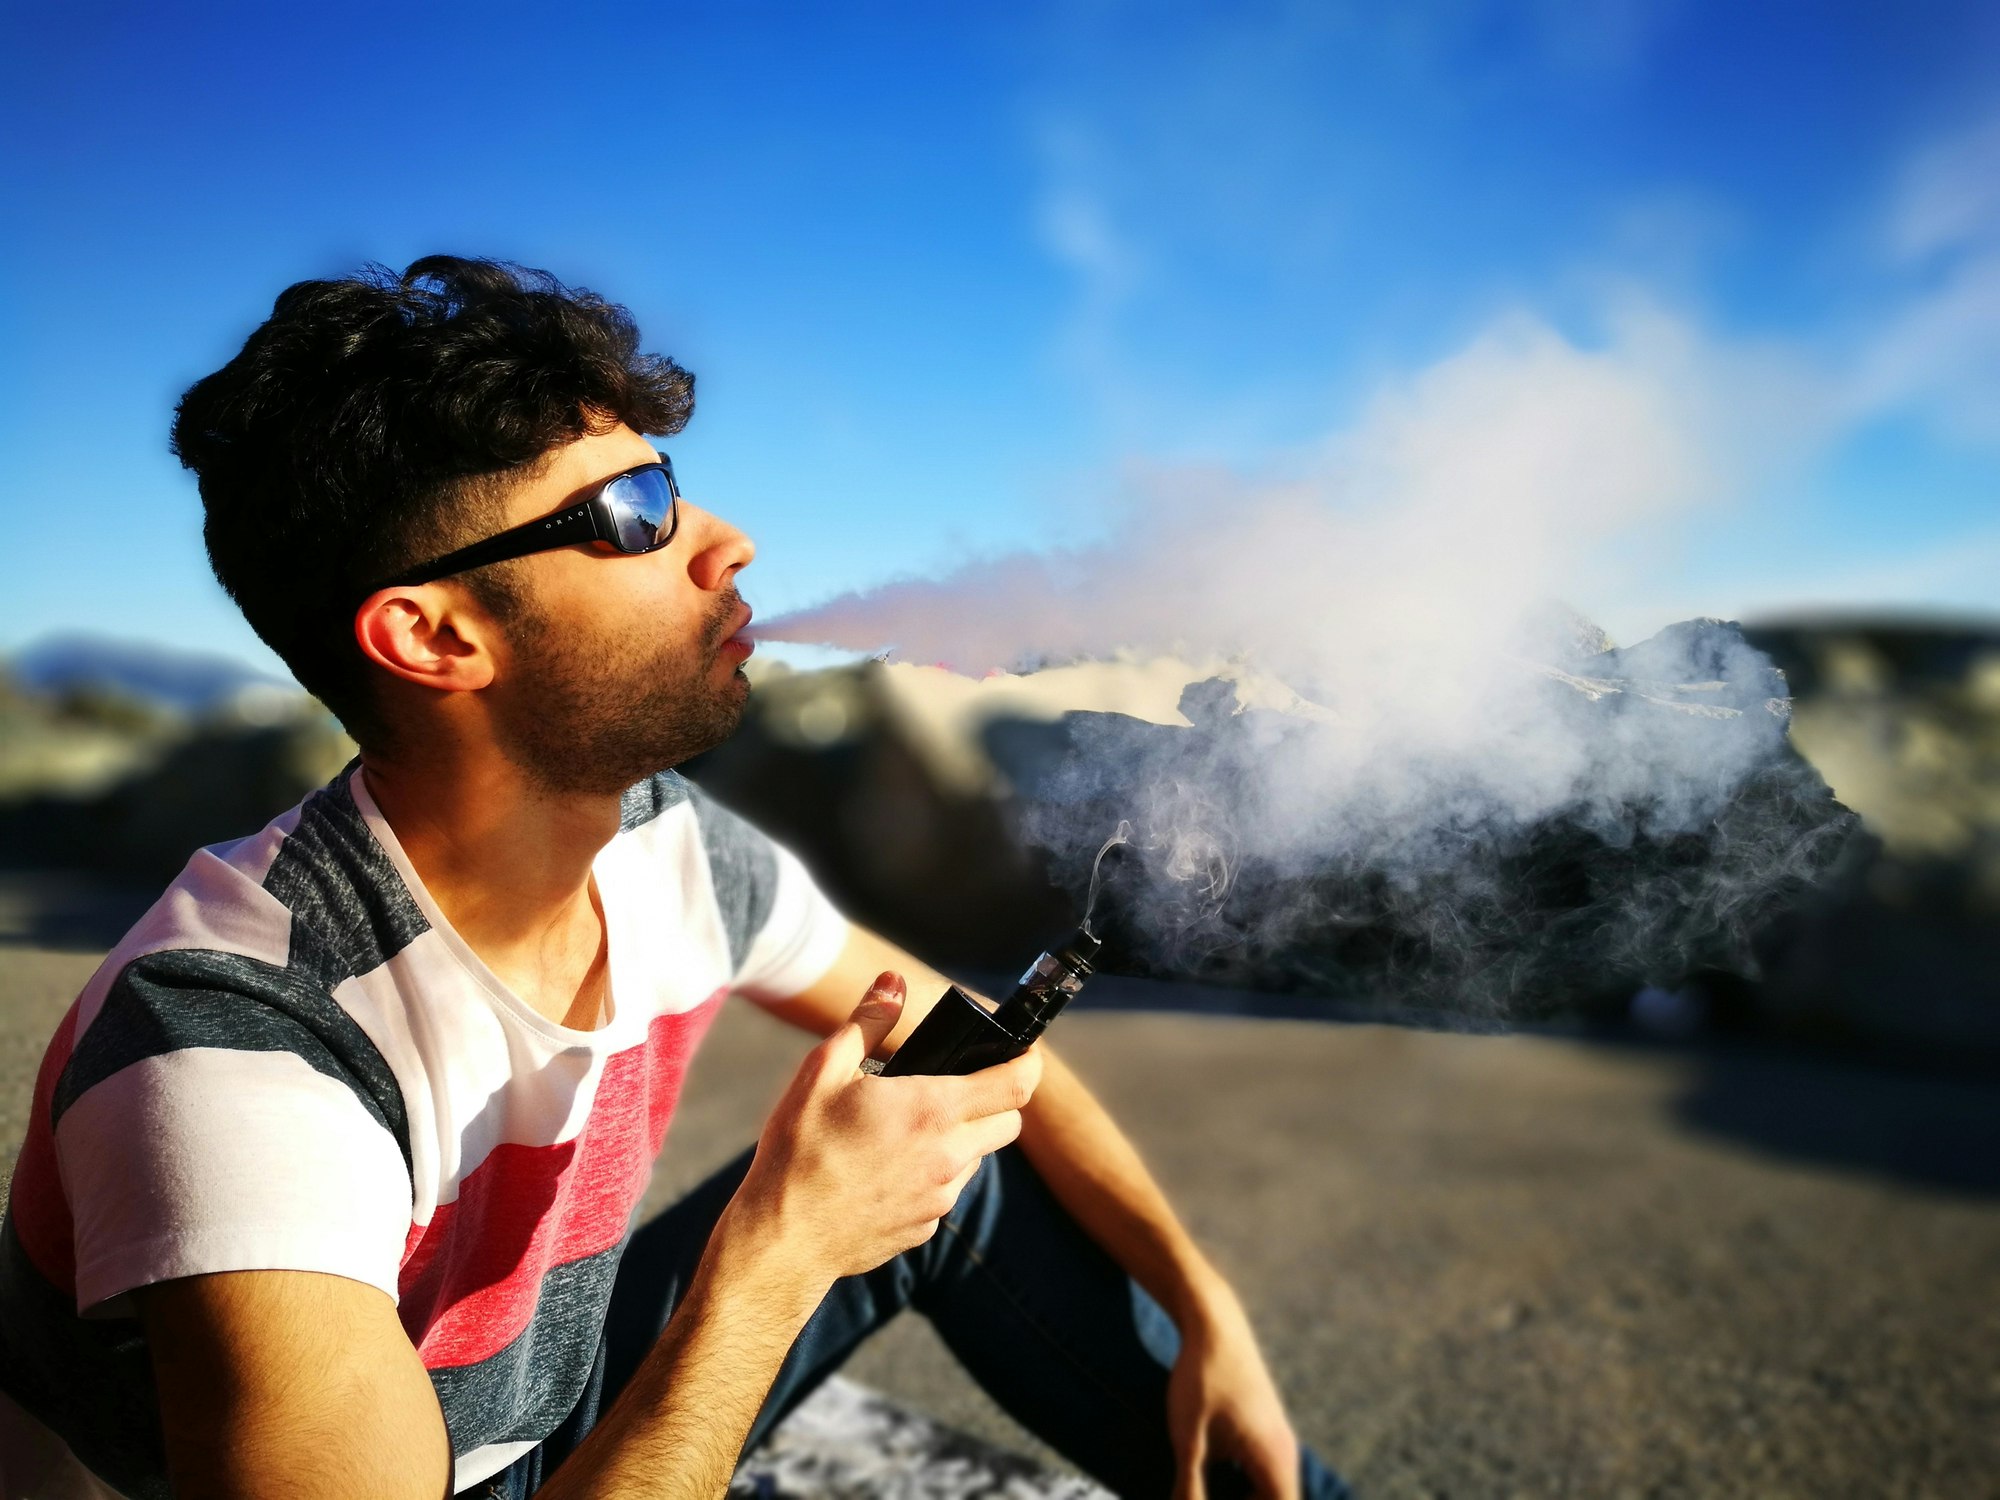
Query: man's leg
1059	1335
1047	1323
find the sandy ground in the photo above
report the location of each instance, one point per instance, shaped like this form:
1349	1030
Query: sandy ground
1493	1266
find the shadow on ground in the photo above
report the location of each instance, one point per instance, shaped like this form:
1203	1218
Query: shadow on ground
1919	1127
1916	1117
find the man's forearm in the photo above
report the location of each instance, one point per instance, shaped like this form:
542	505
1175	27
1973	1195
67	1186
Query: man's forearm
678	1427
1095	1172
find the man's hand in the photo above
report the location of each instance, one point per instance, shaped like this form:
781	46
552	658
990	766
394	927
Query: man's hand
850	1170
853	1169
1222	1404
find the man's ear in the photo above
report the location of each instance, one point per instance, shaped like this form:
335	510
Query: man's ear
427	635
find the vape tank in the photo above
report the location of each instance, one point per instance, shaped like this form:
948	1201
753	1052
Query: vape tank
961	1036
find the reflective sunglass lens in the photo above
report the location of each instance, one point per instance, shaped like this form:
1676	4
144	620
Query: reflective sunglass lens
643	506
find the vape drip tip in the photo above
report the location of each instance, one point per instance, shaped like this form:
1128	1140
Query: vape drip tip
1050	983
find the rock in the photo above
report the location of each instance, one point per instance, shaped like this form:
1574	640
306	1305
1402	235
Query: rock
158	794
1279	853
1901	949
188	682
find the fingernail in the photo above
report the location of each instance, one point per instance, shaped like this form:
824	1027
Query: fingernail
889	982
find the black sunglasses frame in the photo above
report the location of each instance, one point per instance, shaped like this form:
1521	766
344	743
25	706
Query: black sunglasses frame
587	520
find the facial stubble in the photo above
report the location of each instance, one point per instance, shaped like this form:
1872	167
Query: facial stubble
593	714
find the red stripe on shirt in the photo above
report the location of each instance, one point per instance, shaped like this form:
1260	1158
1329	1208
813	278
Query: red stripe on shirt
471	1277
41	1212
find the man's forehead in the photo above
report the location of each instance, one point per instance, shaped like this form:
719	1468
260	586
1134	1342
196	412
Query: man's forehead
564	471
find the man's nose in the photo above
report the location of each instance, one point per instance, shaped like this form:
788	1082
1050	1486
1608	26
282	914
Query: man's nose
720	550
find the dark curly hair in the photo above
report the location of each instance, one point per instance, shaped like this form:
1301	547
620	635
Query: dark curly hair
374	422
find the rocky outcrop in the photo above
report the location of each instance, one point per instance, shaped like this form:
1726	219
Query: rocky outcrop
1903	948
124	789
1643	822
958	814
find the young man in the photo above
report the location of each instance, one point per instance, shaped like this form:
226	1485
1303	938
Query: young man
327	1186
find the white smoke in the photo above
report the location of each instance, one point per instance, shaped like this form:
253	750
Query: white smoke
1408	579
1403	569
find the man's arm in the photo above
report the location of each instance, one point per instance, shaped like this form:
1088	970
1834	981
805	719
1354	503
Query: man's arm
301	1384
1222	1399
267	1379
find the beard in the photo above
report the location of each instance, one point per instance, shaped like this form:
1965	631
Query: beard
596	715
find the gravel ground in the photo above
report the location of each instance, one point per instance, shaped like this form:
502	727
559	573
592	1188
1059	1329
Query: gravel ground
1496	1266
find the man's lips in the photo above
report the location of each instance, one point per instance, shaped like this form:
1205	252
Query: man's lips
736	640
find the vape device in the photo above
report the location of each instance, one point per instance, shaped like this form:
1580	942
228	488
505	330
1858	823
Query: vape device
961	1036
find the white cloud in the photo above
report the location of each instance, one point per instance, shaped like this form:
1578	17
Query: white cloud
1949	196
1939	352
1935	349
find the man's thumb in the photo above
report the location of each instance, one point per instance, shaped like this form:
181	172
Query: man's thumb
876	1016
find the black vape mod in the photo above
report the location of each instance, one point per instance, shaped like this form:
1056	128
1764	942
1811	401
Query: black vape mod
961	1036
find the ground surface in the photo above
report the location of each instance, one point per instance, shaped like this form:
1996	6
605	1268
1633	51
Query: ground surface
1504	1266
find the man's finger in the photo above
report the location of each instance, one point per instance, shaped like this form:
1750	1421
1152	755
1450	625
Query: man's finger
989	1133
1273	1466
1189	1483
957	1184
873	1019
995	1090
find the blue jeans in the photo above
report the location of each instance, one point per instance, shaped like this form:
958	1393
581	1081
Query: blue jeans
1057	1334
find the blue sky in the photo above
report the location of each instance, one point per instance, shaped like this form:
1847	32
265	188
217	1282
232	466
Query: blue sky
949	275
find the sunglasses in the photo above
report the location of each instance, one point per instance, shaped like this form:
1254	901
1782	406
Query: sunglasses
636	511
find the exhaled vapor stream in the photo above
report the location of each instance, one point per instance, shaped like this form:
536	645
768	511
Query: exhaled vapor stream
1478	811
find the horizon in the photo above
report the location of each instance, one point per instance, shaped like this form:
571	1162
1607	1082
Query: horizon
790	657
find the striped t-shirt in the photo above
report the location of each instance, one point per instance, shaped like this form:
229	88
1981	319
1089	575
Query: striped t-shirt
293	1062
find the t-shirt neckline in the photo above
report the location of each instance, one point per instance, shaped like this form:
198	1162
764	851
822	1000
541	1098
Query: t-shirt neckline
609	1036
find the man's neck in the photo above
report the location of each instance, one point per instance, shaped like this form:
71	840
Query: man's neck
509	865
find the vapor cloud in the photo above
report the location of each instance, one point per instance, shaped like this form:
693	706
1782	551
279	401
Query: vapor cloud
1414	546
1406	578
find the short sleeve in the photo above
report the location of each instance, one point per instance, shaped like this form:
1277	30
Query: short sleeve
783	932
202	1129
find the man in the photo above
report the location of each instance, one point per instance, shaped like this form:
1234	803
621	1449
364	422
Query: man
328	1180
